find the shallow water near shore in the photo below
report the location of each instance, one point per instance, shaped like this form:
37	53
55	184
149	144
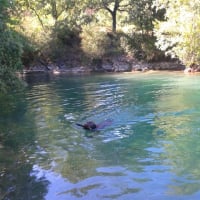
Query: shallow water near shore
150	150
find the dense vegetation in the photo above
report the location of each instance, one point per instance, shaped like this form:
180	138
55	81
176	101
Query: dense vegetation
86	30
10	50
178	35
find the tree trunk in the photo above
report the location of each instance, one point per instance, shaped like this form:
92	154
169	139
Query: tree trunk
114	22
113	13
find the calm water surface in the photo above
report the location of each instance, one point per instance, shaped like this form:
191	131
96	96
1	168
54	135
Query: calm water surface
150	151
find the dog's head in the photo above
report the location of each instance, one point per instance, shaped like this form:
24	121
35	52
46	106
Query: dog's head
90	125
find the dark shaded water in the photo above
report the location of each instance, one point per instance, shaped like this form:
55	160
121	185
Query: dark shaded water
150	151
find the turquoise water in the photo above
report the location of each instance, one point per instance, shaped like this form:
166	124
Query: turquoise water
150	151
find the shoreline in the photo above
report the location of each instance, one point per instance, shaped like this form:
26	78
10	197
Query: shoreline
114	66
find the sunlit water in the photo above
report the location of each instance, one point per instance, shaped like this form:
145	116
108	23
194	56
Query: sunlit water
151	151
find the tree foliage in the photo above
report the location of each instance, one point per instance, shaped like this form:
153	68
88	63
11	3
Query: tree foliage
143	14
110	6
10	51
178	35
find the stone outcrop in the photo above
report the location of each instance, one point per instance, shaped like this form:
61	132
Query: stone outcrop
119	64
142	66
123	64
114	64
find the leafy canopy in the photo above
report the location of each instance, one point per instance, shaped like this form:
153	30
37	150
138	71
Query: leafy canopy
178	35
10	51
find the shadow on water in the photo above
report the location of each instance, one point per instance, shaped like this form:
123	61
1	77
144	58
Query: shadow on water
17	136
37	79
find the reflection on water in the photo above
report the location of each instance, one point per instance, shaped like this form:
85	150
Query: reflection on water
150	151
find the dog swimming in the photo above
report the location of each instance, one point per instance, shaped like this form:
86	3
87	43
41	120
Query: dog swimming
90	125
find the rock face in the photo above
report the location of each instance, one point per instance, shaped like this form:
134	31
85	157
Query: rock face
167	66
119	64
114	64
122	64
141	66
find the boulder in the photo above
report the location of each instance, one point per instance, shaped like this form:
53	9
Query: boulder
121	66
107	66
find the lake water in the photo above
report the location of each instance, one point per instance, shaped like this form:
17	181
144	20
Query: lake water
151	151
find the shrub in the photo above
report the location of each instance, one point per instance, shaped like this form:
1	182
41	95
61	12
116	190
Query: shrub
140	46
10	51
63	41
97	43
10	59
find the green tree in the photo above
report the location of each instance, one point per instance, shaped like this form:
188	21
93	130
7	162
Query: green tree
140	13
113	7
178	35
10	50
143	14
49	12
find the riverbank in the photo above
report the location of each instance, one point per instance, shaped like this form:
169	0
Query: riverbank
116	64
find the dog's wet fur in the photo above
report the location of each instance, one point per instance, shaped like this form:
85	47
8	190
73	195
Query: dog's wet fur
88	126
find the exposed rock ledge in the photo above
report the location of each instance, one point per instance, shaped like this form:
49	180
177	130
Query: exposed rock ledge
133	65
119	64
